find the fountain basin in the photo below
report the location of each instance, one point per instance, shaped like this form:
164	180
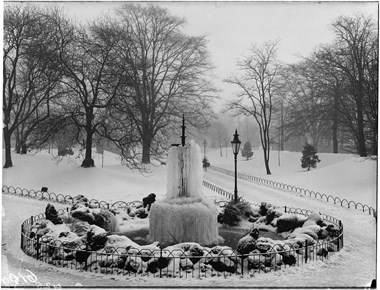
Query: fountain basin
184	220
229	236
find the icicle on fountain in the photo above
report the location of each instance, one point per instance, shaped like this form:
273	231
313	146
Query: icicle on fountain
185	215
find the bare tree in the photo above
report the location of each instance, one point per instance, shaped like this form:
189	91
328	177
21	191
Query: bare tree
309	105
94	73
29	61
219	134
258	85
353	53
168	70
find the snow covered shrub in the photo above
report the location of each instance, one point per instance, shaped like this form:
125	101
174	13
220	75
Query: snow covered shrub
270	215
234	212
264	208
244	208
231	215
309	157
65	151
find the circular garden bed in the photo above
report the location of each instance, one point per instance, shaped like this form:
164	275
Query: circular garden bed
98	237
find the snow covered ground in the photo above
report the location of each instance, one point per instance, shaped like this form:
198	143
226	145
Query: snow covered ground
338	174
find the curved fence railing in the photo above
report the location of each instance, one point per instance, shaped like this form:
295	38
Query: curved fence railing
175	262
297	189
65	199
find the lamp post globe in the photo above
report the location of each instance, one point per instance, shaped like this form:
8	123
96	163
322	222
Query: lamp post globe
235	143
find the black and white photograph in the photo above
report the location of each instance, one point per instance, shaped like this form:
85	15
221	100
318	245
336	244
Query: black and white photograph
189	144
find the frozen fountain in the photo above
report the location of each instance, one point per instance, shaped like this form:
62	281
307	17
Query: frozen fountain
185	215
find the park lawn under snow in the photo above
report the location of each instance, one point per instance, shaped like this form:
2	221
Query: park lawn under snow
111	183
338	174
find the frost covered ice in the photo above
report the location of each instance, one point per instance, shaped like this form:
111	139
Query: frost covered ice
184	177
185	215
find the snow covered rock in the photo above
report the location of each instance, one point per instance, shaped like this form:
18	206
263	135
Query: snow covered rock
257	260
79	199
96	237
40	228
52	214
311	230
248	243
141	213
313	219
288	222
264	245
222	259
301	239
80	227
118	243
106	220
83	213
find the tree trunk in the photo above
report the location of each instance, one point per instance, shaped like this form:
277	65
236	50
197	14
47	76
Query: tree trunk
362	151
282	127
374	142
18	142
335	125
88	161
23	147
266	160
147	142
7	143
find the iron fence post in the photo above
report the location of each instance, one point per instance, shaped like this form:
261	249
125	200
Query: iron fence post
306	251
31	220
341	233
160	261
338	243
85	262
242	265
22	233
38	246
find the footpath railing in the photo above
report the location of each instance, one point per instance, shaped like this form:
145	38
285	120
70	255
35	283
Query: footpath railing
297	189
185	261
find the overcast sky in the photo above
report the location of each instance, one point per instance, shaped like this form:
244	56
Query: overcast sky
232	27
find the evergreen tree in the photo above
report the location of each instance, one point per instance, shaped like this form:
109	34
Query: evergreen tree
309	157
247	150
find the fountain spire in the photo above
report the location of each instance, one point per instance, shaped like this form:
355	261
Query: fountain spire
185	215
183	137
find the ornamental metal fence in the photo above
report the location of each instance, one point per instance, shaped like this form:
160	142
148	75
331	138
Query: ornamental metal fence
65	199
297	189
186	261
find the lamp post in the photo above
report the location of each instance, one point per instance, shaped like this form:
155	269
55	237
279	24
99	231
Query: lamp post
204	149
235	143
